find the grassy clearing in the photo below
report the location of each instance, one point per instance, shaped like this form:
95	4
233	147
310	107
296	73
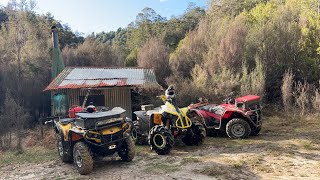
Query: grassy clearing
191	159
142	149
226	172
284	146
31	155
161	168
285	149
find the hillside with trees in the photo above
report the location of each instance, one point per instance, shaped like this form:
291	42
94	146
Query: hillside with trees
270	48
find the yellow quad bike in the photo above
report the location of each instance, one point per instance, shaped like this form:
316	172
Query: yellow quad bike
171	122
94	134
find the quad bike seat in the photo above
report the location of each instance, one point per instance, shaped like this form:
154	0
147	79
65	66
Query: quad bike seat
207	107
155	110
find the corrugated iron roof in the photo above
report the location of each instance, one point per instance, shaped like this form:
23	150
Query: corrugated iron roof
88	77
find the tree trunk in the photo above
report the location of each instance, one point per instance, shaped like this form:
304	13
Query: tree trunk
1	144
19	134
10	138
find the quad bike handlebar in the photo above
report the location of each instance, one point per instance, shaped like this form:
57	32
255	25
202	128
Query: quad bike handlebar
48	122
162	97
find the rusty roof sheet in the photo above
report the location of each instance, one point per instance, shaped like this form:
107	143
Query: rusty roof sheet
90	77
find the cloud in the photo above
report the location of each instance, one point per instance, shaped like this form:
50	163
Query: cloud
160	0
4	2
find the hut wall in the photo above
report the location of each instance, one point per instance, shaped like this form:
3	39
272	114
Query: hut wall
114	97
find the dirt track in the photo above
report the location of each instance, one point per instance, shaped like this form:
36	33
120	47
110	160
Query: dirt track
284	150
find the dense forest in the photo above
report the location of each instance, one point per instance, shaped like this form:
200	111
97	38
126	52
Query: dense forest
270	48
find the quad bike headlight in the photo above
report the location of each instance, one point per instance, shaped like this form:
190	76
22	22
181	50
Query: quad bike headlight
91	135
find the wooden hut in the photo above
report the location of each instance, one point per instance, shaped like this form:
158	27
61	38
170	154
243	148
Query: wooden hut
110	87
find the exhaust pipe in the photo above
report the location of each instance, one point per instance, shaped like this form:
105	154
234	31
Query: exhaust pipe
55	38
57	63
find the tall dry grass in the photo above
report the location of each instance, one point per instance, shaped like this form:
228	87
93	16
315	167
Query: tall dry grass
302	97
287	91
316	101
299	98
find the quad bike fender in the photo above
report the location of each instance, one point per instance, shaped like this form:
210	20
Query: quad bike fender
231	114
142	121
63	129
75	135
143	117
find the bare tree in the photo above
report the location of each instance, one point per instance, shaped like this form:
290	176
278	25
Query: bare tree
17	36
154	54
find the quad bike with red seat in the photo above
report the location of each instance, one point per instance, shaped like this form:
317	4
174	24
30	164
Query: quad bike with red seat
238	118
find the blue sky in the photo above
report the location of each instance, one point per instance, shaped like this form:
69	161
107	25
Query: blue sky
88	16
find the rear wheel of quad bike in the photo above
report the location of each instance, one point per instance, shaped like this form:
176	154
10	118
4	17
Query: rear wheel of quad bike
256	131
140	140
196	134
82	158
61	150
134	133
161	140
238	128
127	150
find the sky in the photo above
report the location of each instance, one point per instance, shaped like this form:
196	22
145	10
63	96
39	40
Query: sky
88	16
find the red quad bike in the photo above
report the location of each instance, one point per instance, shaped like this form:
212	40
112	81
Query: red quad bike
238	117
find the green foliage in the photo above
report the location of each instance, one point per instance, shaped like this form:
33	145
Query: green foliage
253	82
131	59
66	36
233	8
149	24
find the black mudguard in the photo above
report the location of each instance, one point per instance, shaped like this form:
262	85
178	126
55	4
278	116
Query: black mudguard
143	121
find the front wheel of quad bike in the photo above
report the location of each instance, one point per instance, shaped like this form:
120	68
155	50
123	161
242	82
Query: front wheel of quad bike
238	128
127	150
196	134
161	140
82	158
256	131
64	156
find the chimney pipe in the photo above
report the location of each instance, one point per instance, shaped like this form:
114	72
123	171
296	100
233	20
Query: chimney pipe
55	37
